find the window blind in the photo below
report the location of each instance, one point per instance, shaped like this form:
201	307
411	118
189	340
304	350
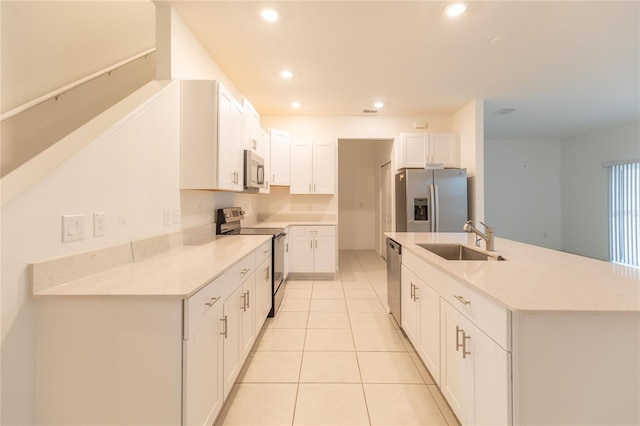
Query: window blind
624	212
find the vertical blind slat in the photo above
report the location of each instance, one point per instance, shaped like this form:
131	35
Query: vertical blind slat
624	214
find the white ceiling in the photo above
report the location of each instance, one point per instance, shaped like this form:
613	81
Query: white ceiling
567	67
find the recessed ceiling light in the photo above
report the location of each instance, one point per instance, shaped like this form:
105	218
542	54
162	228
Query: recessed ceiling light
378	105
286	74
270	15
295	104
455	9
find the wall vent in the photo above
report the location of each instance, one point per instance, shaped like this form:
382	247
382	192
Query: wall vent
504	111
369	111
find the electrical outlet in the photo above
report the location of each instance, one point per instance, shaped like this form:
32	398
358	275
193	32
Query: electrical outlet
72	228
99	224
167	217
176	216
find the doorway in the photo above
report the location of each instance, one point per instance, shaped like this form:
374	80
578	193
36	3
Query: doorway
360	193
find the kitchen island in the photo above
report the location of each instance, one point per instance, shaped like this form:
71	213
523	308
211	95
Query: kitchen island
543	337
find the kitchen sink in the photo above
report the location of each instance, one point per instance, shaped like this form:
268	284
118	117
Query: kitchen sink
458	252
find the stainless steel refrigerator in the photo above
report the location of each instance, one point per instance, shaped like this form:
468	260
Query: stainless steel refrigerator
431	200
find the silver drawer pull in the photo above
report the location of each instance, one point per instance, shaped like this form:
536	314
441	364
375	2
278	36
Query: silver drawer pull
462	300
244	271
224	320
212	301
266	251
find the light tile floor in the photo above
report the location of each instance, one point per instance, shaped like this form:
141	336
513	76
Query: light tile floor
333	356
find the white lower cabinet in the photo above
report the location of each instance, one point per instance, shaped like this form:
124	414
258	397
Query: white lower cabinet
475	376
313	249
421	319
170	361
471	368
203	367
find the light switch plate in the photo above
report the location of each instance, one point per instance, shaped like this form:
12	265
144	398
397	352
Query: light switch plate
99	224
167	217
72	228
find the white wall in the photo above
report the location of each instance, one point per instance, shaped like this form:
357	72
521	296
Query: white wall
131	173
468	123
585	186
523	190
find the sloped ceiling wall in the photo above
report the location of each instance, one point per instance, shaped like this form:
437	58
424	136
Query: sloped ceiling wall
46	45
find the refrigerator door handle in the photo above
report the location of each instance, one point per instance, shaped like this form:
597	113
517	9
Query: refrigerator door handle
432	202
436	209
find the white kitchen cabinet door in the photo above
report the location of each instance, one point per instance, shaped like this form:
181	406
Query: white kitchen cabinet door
264	151
250	126
413	149
324	257
232	332
443	148
302	254
263	292
429	340
301	179
287	258
409	313
229	142
323	168
456	381
248	315
280	157
491	379
203	390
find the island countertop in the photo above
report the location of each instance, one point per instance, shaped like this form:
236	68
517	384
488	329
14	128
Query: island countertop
534	279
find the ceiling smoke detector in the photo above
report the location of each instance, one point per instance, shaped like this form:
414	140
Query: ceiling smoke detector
504	111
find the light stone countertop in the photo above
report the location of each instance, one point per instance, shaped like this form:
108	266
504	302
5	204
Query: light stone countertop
535	279
178	273
284	224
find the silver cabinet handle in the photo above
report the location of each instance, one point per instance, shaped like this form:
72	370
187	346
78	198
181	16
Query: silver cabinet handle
314	187
266	251
458	344
248	299
212	301
224	321
413	291
316	243
462	300
311	244
273	178
464	345
266	273
286	248
309	187
244	302
244	271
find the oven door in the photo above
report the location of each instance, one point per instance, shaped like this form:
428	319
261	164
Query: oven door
253	171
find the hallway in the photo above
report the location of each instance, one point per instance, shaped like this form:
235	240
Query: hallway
334	356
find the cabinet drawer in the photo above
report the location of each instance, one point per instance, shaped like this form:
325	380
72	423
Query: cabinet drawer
243	269
198	306
314	231
489	317
263	252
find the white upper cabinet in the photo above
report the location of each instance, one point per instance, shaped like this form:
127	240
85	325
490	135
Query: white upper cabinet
414	150
280	157
312	168
211	137
250	126
264	151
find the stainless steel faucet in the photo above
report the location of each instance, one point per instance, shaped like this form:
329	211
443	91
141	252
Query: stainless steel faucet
488	237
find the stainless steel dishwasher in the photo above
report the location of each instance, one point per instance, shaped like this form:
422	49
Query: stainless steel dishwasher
394	262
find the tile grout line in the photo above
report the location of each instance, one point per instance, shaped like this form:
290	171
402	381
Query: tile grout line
304	344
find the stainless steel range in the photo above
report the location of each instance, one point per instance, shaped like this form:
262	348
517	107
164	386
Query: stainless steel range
228	223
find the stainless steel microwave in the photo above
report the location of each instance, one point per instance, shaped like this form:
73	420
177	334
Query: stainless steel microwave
253	171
